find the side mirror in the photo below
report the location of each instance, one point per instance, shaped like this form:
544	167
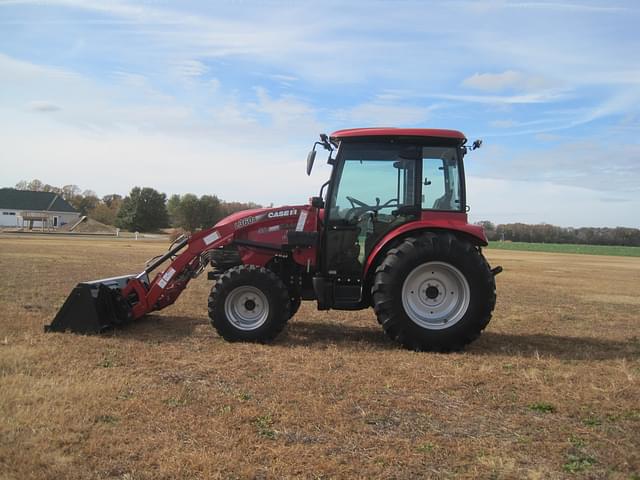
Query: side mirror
317	202
310	159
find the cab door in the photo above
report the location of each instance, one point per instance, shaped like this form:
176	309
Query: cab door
374	190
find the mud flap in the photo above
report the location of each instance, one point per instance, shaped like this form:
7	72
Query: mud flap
90	308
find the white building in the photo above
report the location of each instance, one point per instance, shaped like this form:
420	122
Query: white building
41	210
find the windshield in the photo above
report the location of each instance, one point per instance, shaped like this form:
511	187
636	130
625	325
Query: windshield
374	177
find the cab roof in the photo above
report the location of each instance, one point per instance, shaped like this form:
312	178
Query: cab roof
397	132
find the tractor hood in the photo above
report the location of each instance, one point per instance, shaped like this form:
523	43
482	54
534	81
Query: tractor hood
245	218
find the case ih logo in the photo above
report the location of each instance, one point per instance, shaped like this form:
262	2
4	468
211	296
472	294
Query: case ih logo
282	213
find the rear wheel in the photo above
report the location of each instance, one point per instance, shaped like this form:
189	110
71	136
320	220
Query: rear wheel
434	292
249	303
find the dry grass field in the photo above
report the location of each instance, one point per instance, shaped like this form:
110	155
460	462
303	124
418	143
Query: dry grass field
550	390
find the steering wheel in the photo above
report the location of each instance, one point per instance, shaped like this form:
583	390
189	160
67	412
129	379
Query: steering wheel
358	208
355	203
389	203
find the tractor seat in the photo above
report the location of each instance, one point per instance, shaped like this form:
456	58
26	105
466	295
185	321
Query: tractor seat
443	203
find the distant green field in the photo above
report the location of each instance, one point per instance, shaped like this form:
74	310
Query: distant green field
568	248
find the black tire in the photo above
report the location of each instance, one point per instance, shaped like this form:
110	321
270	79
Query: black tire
418	254
264	294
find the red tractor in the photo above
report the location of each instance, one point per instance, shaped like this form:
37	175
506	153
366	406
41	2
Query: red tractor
389	230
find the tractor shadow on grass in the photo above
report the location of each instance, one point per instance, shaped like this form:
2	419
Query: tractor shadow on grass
554	346
161	328
306	333
322	334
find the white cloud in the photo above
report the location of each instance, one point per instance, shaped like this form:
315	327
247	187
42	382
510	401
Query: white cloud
548	137
392	96
505	201
237	144
623	104
503	123
135	80
592	165
286	79
548	96
383	114
19	71
289	114
190	68
572	7
507	80
259	170
214	84
43	106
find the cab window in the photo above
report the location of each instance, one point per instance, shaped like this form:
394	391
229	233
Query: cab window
374	178
441	179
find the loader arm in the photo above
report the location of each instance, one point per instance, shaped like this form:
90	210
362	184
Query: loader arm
188	259
190	256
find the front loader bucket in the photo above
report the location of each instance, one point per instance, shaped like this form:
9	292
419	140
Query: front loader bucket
92	307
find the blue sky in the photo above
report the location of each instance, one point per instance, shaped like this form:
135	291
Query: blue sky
227	97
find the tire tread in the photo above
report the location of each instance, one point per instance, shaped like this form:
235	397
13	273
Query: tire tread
249	275
431	246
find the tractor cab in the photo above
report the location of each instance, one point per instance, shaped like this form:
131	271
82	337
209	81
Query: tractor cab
382	180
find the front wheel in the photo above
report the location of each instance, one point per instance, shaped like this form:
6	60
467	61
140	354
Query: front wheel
249	303
434	292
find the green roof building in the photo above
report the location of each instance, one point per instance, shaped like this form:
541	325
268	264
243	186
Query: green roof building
27	209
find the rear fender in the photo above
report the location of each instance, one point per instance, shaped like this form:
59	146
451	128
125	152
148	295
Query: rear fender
474	233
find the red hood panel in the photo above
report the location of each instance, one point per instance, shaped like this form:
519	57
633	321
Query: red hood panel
246	218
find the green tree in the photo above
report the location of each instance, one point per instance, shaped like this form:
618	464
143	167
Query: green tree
107	210
232	207
70	191
173	209
21	185
35	185
144	209
189	212
210	211
112	200
85	202
103	214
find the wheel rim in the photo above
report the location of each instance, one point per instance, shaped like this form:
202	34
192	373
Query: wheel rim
435	295
246	307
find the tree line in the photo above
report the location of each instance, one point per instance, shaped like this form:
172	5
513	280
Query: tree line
144	209
546	233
